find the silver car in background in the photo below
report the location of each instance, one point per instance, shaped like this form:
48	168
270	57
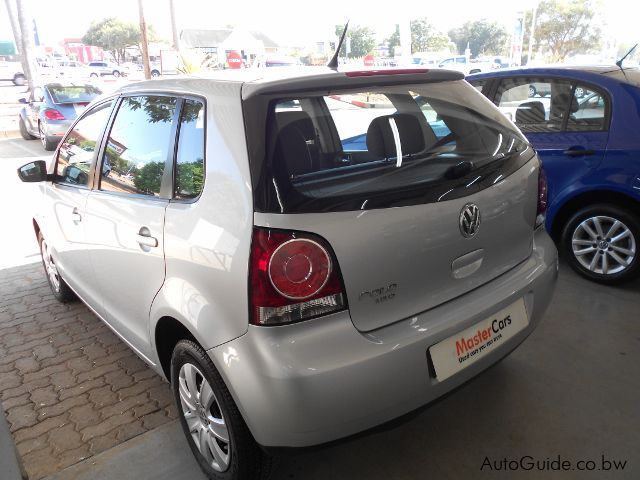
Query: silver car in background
52	108
304	256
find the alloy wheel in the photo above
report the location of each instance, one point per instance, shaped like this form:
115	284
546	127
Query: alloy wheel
603	245
204	417
50	266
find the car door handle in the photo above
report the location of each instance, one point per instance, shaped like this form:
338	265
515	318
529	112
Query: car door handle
578	152
147	241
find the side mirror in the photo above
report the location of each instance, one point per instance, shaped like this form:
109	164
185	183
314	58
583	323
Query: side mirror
33	172
23	100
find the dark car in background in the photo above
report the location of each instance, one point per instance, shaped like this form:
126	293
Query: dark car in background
585	129
51	109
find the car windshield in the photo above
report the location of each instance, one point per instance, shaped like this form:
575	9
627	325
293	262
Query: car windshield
72	93
384	147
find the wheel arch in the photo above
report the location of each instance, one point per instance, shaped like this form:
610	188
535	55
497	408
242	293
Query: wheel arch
168	331
584	199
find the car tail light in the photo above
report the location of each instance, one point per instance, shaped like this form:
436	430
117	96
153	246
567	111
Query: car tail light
53	114
542	197
293	276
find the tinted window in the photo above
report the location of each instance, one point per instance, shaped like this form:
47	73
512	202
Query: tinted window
189	175
478	85
73	94
78	148
588	110
535	104
138	145
391	146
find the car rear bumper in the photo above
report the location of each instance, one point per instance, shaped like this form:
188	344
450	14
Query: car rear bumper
56	129
322	380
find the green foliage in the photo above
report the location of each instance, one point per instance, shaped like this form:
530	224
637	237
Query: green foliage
564	28
114	36
149	178
393	41
483	37
426	38
363	40
189	178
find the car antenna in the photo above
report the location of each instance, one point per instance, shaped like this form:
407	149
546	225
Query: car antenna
333	63
619	62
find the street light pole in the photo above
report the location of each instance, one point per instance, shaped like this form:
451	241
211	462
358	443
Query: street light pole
174	30
144	42
28	64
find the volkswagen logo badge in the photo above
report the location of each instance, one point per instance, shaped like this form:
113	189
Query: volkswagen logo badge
469	220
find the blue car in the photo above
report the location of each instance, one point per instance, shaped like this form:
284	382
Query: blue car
51	109
584	123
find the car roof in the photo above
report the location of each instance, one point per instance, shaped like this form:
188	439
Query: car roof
255	81
629	75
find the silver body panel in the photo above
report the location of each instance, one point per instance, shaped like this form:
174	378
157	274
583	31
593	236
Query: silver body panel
321	380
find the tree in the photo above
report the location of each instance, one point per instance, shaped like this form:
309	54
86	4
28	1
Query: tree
17	36
425	37
482	36
393	41
113	35
28	60
363	39
564	28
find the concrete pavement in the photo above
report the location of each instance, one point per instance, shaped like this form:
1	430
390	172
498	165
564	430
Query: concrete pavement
571	390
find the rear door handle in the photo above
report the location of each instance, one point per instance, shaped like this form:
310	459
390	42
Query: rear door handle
578	152
145	239
75	216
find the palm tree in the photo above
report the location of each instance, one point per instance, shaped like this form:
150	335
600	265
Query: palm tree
14	25
28	61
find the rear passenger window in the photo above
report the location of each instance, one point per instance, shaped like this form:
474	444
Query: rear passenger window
138	145
535	104
79	146
189	176
588	110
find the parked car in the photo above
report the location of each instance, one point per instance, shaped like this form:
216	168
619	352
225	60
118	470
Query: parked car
12	71
72	70
293	290
100	69
585	131
460	63
51	109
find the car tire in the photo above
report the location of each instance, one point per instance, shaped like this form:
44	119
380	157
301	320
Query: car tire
59	287
155	73
24	133
601	242
532	91
579	92
116	73
94	75
19	80
48	144
238	459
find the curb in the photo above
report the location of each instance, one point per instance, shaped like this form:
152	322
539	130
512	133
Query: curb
9	134
12	468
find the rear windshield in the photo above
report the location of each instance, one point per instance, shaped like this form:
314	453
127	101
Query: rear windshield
382	147
73	94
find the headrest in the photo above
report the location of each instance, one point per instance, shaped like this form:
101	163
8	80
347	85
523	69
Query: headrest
530	112
301	120
560	101
380	140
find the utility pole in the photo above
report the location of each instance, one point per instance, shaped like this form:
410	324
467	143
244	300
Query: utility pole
144	42
17	37
531	37
28	63
174	30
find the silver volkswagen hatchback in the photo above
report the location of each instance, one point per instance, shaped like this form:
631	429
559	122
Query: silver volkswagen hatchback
303	256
